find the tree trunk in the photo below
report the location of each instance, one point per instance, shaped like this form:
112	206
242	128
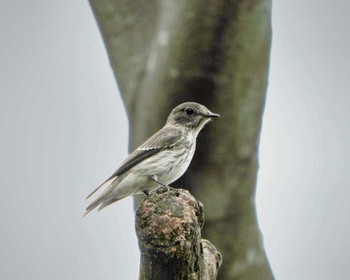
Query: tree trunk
168	226
216	53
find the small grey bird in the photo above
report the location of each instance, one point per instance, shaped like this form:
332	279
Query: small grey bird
161	160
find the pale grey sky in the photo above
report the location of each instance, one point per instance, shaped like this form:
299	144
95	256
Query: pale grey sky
63	130
304	181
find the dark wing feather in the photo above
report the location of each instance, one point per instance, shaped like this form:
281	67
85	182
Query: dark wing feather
167	137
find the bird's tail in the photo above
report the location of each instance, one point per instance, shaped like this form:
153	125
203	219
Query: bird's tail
101	202
105	196
108	181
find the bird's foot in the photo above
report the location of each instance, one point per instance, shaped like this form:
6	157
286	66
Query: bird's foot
162	189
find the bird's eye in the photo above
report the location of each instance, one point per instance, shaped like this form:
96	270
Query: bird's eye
189	111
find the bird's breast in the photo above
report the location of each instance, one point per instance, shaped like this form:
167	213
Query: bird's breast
182	156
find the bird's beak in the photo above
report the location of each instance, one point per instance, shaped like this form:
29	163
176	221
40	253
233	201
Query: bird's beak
212	115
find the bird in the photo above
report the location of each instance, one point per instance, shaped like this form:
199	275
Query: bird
159	161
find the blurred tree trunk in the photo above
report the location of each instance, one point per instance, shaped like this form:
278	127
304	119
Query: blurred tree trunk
216	53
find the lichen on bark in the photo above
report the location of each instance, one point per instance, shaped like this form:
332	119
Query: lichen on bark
168	226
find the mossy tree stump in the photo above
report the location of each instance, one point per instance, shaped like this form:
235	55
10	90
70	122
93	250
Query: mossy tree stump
168	226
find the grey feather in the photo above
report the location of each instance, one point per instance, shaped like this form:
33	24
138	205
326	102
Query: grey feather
168	153
167	137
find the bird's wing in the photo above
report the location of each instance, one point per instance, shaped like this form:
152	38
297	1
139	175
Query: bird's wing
165	138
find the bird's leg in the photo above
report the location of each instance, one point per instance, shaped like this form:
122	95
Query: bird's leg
155	179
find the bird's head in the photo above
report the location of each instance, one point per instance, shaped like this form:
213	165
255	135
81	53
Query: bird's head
191	115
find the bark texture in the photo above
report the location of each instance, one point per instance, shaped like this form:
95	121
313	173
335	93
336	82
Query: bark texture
216	53
168	226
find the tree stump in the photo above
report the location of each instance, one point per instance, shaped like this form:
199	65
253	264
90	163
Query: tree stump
168	226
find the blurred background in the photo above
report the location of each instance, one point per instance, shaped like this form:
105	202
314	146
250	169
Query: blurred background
63	130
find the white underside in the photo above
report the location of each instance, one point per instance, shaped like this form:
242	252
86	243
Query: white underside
166	166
